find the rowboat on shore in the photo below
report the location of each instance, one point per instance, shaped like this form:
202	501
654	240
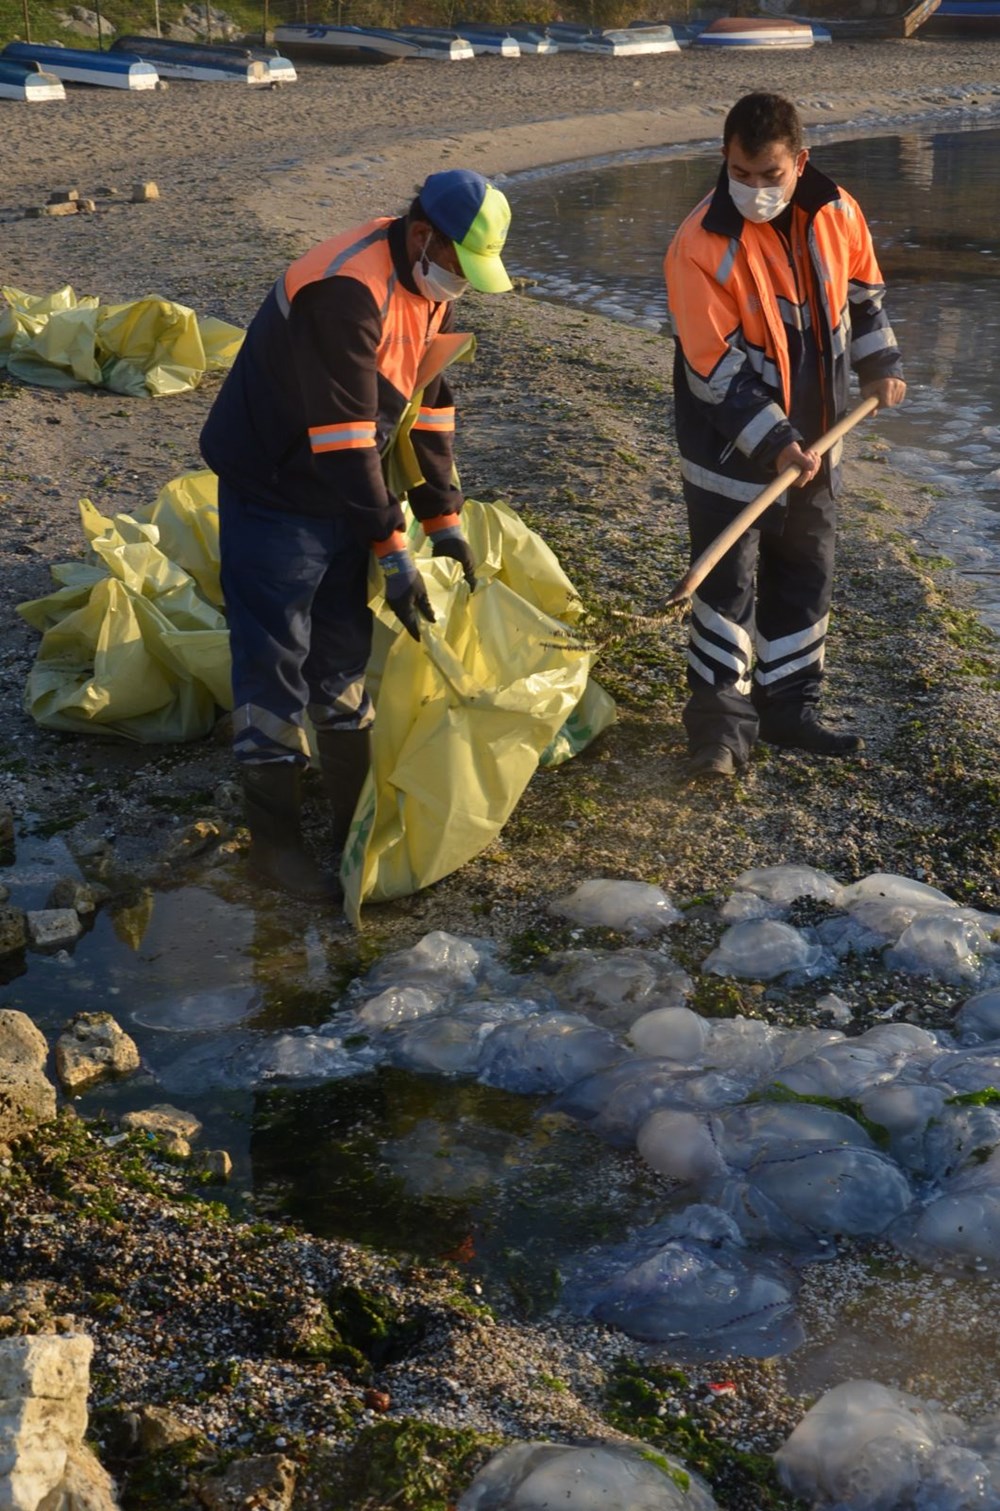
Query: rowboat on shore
26	81
533	38
494	40
897	19
365	44
479	31
964	18
755	31
444	45
78	65
201	63
615	42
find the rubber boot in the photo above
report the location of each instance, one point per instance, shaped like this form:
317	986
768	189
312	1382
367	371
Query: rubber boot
278	857
345	759
799	727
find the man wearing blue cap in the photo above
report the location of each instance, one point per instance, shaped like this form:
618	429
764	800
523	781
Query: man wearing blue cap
296	436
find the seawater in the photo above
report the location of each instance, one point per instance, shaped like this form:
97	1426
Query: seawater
595	237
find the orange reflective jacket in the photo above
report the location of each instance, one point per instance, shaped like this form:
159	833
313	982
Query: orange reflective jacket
734	289
328	366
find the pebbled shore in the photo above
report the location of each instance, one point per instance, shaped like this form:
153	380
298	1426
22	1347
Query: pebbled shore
246	181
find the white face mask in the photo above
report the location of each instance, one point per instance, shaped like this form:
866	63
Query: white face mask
759	205
434	281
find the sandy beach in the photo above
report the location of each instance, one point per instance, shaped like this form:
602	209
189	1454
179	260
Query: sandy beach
247	181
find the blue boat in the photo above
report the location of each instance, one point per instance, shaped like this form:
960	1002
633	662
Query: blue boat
963	18
195	61
164	53
614	42
365	44
26	81
77	65
532	38
482	39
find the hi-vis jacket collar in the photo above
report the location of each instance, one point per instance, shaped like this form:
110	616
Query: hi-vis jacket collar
812	192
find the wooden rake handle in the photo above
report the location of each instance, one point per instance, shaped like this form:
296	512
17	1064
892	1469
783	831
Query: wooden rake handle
699	569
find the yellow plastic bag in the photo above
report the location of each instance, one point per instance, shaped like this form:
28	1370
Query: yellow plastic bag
133	644
150	346
129	645
465	716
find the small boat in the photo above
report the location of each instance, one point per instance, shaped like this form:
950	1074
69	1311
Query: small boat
533	39
431	43
964	18
481	38
364	44
26	81
624	42
78	65
897	18
200	62
755	31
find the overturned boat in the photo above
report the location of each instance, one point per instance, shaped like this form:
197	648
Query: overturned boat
482	39
613	42
364	44
200	62
26	81
78	65
755	31
162	52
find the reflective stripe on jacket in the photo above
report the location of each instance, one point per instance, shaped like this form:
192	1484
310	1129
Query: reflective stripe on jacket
732	292
327	368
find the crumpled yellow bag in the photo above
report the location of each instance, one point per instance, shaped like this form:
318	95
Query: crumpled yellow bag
149	346
133	644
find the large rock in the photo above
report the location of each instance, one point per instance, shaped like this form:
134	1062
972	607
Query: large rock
51	928
13	931
170	1128
43	1416
91	1049
27	1096
264	1483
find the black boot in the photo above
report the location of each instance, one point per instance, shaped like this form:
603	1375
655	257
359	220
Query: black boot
799	727
272	803
345	759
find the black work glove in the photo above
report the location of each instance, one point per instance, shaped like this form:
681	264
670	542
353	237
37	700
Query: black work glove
405	592
447	538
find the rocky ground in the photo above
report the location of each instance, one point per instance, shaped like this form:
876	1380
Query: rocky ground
382	1382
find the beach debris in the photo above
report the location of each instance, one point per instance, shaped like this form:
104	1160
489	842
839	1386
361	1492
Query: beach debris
762	948
93	1048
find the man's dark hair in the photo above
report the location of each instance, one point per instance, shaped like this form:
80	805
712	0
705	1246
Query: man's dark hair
417	212
760	119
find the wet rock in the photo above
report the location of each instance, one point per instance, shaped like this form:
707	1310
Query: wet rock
43	1416
70	892
13	931
192	841
264	1483
95	857
157	1429
215	1165
27	1096
92	1048
171	1128
6	829
52	927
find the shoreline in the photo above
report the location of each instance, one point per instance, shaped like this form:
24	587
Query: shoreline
599	480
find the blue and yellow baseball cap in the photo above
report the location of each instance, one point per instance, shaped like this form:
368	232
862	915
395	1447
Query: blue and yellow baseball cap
463	206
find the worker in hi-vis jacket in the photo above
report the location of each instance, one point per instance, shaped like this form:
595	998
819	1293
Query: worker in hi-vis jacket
296	437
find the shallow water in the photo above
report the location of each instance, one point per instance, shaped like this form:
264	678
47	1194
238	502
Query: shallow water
595	237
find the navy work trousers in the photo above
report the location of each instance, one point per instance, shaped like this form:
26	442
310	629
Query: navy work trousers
300	629
754	644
